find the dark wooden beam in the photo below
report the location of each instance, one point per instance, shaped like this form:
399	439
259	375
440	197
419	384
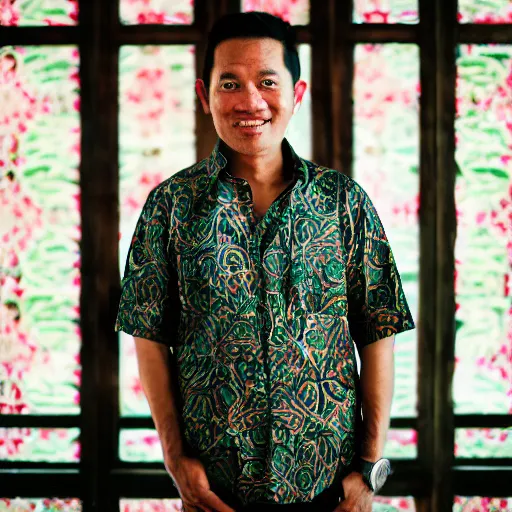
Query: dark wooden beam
40	483
484	34
325	91
28	36
159	34
381	33
444	340
492	481
483	421
427	265
34	421
205	15
342	89
99	247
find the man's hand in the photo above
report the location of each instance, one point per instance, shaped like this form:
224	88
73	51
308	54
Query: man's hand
357	495
191	481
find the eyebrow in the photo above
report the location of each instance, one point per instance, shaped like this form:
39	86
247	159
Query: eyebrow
264	72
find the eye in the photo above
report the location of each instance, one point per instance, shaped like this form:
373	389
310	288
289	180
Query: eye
228	86
268	82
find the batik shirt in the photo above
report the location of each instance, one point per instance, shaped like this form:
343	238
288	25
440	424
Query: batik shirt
263	317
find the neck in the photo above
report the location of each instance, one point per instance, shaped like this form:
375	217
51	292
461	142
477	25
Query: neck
265	170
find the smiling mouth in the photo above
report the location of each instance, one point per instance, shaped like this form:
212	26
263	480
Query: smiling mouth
251	124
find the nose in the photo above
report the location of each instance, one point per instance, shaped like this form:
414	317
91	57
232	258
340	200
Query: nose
251	99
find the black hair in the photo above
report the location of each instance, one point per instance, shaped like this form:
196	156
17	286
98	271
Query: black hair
253	25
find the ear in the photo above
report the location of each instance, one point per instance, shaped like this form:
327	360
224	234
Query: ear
299	91
203	95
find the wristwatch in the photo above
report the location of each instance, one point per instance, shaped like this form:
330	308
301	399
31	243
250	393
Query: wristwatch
374	473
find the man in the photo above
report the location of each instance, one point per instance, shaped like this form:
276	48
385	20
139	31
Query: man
263	272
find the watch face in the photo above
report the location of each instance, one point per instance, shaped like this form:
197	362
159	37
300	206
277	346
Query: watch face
379	474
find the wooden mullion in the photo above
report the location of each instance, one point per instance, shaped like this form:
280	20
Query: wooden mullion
380	33
492	481
343	80
34	421
160	34
41	483
322	26
483	421
204	16
443	424
99	248
484	34
28	36
428	236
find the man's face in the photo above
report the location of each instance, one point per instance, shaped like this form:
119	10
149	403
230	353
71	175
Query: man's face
251	96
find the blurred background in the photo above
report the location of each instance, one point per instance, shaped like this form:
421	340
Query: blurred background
412	98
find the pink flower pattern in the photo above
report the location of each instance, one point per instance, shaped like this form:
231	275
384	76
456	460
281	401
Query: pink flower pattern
474	11
156	139
157	12
386	11
40	505
295	12
483	371
24	224
16	12
478	504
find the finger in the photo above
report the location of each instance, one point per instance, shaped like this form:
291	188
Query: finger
210	499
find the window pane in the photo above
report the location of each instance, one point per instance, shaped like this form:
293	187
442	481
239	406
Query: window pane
483	370
156	139
150	505
39	231
471	504
386	161
295	12
401	444
386	11
299	129
385	504
35	12
40	505
140	445
488	11
157	12
483	442
40	444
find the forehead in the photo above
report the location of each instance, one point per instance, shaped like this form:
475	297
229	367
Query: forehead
248	53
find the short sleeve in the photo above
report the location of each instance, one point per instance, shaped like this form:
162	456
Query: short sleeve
149	303
377	307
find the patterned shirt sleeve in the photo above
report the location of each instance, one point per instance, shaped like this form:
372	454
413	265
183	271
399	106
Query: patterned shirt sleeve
149	306
377	307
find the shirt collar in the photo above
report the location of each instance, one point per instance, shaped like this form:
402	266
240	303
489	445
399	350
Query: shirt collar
217	162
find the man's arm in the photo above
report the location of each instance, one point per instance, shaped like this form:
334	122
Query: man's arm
377	382
188	474
153	359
